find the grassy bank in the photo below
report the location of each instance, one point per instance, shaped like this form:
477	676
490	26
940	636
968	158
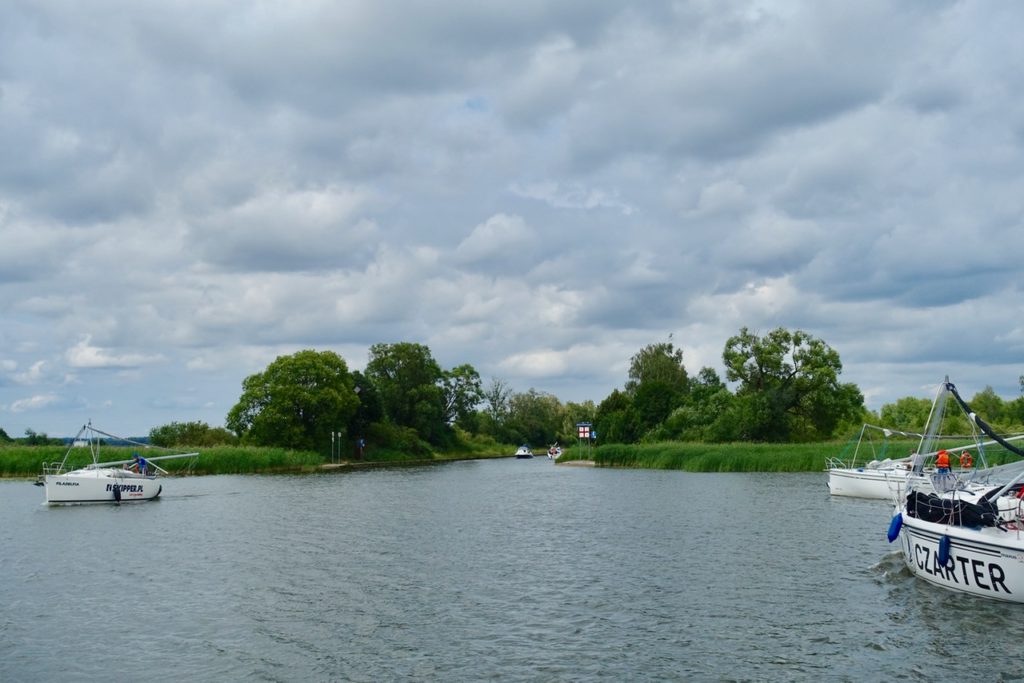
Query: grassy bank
701	457
745	457
27	461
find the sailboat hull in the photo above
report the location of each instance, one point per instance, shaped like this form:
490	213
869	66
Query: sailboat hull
99	486
987	562
867	483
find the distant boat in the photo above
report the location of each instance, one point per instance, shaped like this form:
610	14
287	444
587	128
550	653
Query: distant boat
102	482
524	452
555	452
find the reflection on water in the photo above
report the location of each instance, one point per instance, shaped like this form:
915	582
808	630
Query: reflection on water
507	570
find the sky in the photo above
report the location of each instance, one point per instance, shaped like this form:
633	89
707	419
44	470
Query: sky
189	190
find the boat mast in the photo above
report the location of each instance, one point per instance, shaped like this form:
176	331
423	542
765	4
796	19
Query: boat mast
928	439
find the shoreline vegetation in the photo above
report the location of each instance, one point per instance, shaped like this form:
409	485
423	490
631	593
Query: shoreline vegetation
26	461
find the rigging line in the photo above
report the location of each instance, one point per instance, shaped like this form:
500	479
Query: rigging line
918	435
973	417
126	440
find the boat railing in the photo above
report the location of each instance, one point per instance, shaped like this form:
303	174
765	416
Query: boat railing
49	469
53	468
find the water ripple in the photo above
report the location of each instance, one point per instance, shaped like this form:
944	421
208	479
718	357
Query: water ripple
494	570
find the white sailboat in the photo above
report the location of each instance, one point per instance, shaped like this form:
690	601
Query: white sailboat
875	478
887	478
102	482
966	532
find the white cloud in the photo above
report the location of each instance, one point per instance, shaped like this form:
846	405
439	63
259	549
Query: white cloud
573	197
33	403
32	375
539	192
500	237
85	355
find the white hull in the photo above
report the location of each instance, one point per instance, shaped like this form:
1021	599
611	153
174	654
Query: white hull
988	562
885	484
99	486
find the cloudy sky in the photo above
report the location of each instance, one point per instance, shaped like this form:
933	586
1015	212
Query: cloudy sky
540	189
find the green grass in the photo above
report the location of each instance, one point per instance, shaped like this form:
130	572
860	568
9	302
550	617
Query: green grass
26	461
749	457
701	457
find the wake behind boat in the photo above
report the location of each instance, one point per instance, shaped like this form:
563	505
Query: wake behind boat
103	482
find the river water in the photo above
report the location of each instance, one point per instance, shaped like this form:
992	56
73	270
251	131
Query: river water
499	570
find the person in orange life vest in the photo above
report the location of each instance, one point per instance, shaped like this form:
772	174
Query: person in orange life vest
942	462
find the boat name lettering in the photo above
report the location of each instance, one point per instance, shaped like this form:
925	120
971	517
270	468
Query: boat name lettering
128	488
985	575
66	483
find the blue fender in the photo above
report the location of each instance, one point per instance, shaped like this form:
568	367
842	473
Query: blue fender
894	526
943	551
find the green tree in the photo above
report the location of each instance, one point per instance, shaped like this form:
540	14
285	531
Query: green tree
190	434
3	436
494	417
33	438
534	417
1015	414
370	410
658	383
705	385
296	402
661	363
497	398
907	414
572	415
616	420
990	406
789	386
708	415
409	381
462	392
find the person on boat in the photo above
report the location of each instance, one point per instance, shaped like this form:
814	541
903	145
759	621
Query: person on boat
942	462
140	465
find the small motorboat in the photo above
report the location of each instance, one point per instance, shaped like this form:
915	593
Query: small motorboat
524	452
555	452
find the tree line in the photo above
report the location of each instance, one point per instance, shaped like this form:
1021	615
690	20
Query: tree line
787	388
786	383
